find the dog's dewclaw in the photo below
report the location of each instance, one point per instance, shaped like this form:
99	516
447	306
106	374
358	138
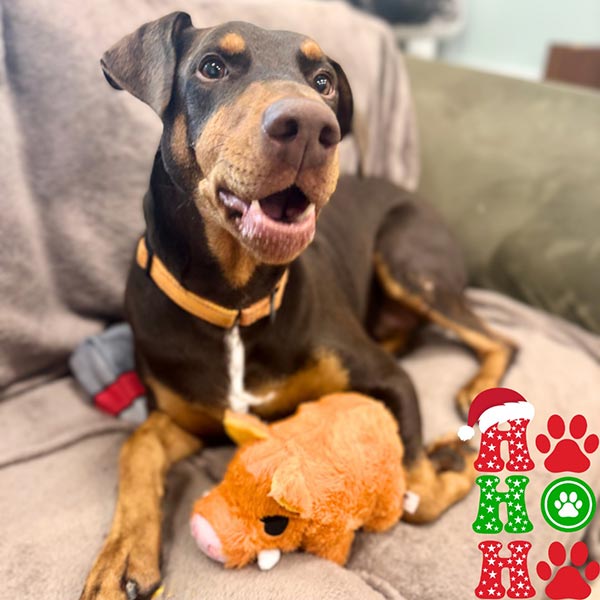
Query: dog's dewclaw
158	593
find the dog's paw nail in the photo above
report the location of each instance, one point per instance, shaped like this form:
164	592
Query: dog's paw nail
158	593
131	589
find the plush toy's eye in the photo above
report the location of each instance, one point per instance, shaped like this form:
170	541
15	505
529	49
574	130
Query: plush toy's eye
275	525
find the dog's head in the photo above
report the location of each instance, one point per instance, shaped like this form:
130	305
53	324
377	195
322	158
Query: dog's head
252	120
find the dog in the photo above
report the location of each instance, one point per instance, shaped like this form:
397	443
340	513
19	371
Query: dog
238	301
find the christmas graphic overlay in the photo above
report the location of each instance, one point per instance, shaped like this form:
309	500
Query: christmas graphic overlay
568	503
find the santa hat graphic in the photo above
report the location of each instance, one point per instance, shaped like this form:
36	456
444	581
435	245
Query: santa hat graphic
494	406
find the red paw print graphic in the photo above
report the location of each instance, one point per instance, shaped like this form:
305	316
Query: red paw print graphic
568	582
567	454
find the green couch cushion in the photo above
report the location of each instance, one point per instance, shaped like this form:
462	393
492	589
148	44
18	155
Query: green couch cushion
513	166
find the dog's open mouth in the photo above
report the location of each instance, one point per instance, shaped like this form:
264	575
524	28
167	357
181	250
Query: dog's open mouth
287	206
278	226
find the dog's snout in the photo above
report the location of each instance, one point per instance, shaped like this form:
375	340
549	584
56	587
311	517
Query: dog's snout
300	132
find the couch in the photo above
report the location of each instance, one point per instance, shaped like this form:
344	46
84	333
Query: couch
74	163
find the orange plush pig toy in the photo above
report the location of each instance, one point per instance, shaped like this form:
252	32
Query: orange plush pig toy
306	482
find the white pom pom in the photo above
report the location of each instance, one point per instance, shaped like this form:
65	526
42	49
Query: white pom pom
465	433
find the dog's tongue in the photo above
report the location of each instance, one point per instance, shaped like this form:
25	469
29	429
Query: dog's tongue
273	206
287	205
279	239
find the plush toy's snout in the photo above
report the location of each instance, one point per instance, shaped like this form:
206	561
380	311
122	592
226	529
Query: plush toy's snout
206	538
241	541
208	541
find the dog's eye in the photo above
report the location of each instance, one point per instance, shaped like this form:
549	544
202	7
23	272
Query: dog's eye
213	68
323	84
275	525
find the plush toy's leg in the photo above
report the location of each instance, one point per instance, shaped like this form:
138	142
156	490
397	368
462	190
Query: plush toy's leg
128	565
419	267
330	541
437	486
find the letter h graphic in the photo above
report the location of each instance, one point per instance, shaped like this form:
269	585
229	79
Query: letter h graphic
490	459
488	514
490	584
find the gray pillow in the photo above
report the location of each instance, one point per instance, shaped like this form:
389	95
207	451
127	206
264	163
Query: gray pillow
553	260
513	167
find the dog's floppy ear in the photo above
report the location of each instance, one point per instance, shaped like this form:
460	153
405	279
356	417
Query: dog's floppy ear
345	106
144	62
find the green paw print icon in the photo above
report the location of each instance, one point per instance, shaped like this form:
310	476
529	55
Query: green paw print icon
568	504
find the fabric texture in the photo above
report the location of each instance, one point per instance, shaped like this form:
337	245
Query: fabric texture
76	155
58	473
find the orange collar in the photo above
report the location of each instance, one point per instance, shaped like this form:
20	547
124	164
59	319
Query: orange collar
201	307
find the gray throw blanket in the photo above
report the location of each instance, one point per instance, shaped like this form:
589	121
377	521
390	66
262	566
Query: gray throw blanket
58	473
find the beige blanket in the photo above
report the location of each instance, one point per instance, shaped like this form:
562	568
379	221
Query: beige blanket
58	475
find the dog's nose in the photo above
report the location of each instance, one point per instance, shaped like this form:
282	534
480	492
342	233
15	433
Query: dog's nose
301	132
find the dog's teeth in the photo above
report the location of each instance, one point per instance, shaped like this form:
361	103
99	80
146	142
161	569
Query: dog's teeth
308	211
232	202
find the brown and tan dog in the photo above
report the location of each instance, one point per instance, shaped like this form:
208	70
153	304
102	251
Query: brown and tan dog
231	304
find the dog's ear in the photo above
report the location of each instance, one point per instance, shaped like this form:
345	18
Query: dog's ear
144	62
345	106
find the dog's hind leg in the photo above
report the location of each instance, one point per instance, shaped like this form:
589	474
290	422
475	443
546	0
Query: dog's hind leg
128	565
418	265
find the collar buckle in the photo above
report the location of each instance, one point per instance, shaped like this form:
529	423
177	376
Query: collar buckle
272	307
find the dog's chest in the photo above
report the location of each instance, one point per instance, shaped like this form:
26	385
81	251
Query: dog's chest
240	399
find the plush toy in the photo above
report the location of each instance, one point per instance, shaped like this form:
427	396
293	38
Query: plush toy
308	481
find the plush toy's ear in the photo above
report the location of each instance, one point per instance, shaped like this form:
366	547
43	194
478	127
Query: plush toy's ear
243	428
144	62
289	488
345	106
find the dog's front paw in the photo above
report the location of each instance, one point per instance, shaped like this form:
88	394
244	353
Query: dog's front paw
449	453
126	569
